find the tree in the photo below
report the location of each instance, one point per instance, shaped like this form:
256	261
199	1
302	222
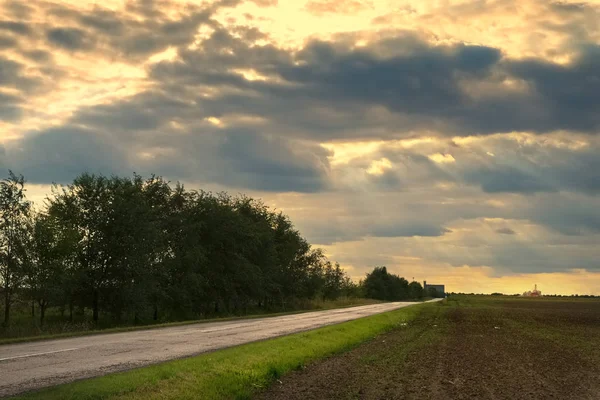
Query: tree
335	282
85	206
381	285
14	211
415	290
376	284
50	248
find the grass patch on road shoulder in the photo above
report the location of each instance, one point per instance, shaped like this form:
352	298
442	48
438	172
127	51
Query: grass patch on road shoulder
234	373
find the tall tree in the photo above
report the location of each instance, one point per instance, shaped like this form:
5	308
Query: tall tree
50	251
85	206
381	285
14	211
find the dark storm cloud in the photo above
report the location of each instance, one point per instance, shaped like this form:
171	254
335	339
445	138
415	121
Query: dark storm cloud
338	230
528	169
15	27
234	157
105	21
568	214
428	86
148	111
506	179
10	107
274	163
7	42
128	36
40	56
18	9
505	231
155	36
417	84
72	39
569	94
424	86
9	71
523	257
61	154
13	75
408	230
413	169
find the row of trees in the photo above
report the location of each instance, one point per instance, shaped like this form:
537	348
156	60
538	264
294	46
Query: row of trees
141	249
381	285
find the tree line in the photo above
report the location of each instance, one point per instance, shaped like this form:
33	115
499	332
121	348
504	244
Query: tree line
139	249
381	285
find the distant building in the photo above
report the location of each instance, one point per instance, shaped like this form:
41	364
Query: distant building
440	289
534	293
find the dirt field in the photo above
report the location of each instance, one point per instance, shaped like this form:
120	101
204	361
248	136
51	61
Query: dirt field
468	348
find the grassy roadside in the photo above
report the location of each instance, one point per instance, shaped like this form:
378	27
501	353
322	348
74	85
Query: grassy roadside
321	306
234	373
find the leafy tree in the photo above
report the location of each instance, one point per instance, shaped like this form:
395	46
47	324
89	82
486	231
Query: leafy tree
415	290
377	284
14	212
85	206
49	251
381	285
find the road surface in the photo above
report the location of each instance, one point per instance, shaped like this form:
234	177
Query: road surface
30	366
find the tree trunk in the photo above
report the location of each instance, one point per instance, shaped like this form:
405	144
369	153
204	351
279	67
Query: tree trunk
71	310
42	313
32	309
95	305
155	316
7	307
119	314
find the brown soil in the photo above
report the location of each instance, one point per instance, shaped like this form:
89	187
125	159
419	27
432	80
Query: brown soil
471	349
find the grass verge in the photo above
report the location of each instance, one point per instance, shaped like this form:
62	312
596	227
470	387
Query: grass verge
234	373
320	306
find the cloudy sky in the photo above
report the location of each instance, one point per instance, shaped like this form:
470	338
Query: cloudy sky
451	140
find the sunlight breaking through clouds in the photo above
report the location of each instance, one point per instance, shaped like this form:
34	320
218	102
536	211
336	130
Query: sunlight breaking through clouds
453	139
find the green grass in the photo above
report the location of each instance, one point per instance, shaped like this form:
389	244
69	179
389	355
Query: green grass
308	307
234	373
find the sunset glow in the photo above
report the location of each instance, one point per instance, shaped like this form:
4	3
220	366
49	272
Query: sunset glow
452	141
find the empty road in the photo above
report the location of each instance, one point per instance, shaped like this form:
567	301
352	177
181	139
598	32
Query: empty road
30	366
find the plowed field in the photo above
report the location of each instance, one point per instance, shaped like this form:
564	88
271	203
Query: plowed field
467	348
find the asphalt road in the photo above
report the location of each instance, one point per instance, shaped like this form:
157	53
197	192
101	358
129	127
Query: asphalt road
30	366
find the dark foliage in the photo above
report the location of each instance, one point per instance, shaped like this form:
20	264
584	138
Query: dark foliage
135	249
381	285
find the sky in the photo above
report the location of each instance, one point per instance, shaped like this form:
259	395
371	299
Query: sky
454	141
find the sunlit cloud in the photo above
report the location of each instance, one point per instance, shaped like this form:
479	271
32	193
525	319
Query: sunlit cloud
453	141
